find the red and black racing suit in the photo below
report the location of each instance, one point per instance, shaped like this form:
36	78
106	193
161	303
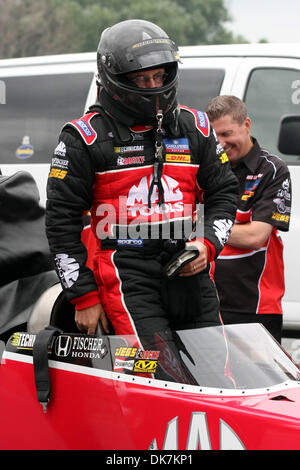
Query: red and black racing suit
93	166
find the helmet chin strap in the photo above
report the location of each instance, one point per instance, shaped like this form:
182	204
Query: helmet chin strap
158	162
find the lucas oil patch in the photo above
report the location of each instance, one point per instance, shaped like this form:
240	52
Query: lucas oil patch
178	158
25	150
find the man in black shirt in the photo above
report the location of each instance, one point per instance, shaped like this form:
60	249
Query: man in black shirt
249	271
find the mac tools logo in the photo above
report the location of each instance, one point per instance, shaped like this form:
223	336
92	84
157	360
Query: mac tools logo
199	437
132	217
137	201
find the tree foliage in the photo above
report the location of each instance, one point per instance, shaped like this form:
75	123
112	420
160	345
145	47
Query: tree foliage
36	27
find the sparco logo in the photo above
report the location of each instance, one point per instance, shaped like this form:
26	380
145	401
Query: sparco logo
63	345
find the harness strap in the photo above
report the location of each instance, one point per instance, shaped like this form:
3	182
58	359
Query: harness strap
40	364
158	163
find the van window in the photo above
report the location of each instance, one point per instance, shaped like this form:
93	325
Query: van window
36	109
271	94
198	86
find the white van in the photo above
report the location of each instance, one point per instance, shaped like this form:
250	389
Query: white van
39	94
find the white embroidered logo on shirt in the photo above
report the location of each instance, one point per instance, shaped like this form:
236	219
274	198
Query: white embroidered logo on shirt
60	149
68	269
222	230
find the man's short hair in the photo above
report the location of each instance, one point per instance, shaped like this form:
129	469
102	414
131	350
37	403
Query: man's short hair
227	104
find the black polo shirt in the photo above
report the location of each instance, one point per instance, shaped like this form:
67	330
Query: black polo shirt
252	281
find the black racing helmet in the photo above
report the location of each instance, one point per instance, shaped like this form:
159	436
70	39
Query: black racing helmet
131	46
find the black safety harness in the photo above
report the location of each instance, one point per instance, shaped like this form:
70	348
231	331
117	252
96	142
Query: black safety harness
44	340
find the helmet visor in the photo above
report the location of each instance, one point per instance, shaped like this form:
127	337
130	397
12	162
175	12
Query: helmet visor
155	59
146	54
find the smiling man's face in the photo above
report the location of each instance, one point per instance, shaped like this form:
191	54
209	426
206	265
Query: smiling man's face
234	137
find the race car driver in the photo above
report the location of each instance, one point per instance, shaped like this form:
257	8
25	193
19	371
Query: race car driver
138	160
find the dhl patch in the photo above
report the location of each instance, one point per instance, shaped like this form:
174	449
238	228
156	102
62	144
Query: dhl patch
177	157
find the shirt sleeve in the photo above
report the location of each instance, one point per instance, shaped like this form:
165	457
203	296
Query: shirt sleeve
69	194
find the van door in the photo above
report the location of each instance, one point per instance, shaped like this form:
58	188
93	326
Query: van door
270	88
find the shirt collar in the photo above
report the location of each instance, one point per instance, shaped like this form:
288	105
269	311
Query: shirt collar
250	159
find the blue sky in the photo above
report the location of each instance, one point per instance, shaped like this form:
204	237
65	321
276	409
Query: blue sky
274	20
